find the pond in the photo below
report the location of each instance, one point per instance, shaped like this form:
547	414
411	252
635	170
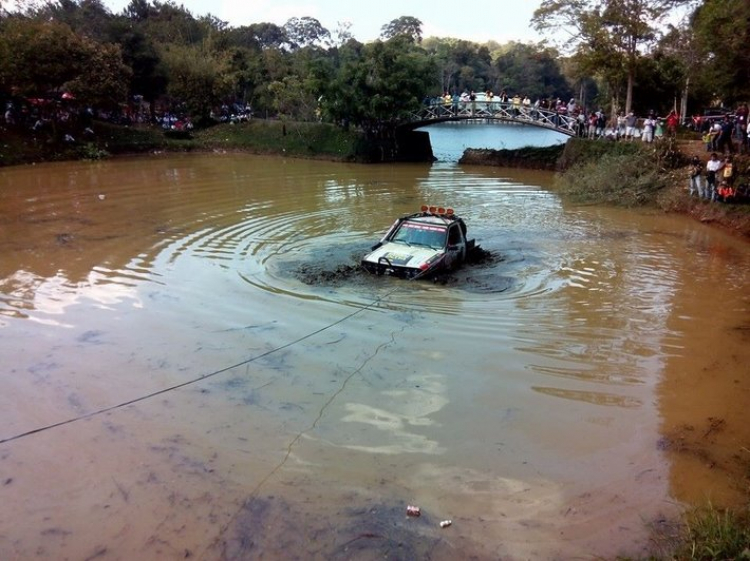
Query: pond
194	365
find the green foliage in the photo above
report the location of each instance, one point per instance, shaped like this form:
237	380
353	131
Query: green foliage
405	26
463	65
197	78
608	36
50	57
160	50
90	151
291	99
306	31
46	55
310	140
533	71
376	85
104	80
168	23
722	34
715	534
617	173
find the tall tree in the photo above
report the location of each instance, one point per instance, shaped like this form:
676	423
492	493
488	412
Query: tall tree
302	32
197	78
616	31
722	32
377	85
407	26
532	70
463	65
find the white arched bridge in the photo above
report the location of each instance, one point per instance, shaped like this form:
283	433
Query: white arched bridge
494	110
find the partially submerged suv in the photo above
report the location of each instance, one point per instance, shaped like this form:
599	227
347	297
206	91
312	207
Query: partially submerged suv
420	245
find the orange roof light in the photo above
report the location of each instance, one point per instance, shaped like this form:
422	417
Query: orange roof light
440	211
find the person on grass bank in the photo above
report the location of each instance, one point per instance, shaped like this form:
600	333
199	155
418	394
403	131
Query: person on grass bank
696	179
712	170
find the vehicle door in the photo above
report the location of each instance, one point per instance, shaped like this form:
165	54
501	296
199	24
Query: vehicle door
456	251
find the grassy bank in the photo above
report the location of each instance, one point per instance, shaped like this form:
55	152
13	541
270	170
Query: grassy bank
655	175
301	140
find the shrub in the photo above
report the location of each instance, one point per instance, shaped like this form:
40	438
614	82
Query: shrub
620	179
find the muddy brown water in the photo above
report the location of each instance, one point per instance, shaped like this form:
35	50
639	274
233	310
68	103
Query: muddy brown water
220	381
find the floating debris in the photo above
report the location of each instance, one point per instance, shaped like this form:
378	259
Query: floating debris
412	510
446	523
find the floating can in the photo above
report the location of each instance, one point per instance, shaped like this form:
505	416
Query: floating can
412	510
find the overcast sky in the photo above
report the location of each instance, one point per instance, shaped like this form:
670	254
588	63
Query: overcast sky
480	21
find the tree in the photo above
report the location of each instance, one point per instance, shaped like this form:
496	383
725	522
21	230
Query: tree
165	22
343	33
615	32
376	86
463	65
148	77
259	36
533	71
681	48
722	33
197	78
104	79
301	32
405	25
46	56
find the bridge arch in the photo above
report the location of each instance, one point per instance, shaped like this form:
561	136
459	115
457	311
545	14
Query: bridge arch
493	111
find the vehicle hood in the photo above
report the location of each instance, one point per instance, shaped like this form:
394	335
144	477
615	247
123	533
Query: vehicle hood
402	255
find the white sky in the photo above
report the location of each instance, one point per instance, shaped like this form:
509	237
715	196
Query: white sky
480	21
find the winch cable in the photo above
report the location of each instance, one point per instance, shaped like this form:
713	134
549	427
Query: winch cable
98	412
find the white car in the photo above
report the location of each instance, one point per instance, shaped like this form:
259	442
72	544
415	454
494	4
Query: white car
420	245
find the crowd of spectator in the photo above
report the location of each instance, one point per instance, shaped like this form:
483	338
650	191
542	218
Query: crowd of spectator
585	123
724	134
715	180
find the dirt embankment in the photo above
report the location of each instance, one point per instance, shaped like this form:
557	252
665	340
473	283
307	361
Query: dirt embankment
733	217
530	158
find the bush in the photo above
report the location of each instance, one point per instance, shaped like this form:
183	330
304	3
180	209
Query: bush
620	179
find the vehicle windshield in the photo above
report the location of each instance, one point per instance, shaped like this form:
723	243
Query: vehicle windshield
424	235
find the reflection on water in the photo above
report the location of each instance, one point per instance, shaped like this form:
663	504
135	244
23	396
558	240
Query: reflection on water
536	399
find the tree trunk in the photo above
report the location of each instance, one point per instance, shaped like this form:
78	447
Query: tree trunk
684	100
629	95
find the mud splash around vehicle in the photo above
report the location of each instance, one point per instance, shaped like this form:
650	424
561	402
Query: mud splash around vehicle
478	274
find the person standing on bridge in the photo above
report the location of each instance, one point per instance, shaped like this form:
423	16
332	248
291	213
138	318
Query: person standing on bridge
526	104
447	101
516	105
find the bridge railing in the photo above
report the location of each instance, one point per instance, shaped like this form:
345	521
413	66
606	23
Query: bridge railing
536	116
